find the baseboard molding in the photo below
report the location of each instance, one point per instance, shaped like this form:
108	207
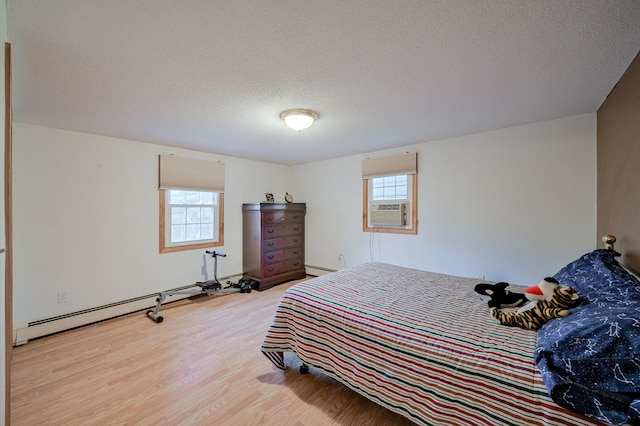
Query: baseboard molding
318	270
22	333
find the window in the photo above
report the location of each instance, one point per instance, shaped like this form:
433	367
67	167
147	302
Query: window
190	220
191	203
389	193
389	188
191	216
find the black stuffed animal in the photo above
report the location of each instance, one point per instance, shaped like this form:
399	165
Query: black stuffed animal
499	296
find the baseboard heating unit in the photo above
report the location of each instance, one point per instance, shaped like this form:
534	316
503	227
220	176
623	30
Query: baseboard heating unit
22	333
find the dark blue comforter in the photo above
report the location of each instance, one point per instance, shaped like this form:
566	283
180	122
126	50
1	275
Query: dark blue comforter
590	360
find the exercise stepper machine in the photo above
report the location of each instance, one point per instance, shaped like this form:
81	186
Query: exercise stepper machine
206	288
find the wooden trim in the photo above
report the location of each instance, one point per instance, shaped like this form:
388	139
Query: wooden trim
161	229
8	226
413	230
365	205
172	249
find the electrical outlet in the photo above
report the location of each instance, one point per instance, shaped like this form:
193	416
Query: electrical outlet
62	297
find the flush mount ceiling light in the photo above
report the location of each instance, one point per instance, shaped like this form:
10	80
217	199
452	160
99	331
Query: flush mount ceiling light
299	119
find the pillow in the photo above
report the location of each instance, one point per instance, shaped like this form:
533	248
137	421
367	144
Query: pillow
589	359
596	272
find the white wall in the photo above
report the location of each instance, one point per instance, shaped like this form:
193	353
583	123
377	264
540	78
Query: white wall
514	204
86	220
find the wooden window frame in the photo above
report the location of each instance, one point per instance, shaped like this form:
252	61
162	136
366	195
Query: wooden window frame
412	230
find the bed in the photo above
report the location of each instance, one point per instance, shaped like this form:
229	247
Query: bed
424	345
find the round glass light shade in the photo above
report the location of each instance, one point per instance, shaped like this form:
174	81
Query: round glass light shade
299	119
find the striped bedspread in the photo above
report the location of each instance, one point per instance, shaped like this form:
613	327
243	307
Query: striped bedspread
418	343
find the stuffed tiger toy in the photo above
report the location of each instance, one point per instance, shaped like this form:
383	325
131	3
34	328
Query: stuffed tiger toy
555	306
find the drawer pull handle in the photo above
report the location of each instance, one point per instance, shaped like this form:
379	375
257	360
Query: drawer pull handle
270	244
296	251
295	228
270	231
296	240
270	257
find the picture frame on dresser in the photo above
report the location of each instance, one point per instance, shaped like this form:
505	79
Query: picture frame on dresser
273	239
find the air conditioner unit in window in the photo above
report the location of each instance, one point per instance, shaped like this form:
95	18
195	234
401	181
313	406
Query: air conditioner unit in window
388	214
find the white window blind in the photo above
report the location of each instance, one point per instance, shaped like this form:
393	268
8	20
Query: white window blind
190	174
405	164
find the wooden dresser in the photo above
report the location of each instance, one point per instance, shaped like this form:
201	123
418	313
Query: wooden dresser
273	243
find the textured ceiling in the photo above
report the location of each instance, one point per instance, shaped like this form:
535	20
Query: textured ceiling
214	75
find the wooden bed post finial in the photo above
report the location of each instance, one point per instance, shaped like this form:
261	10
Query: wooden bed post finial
609	240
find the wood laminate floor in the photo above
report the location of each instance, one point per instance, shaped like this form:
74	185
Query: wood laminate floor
201	366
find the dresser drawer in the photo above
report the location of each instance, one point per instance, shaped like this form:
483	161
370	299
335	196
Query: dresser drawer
282	242
279	255
282	229
282	217
283	266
